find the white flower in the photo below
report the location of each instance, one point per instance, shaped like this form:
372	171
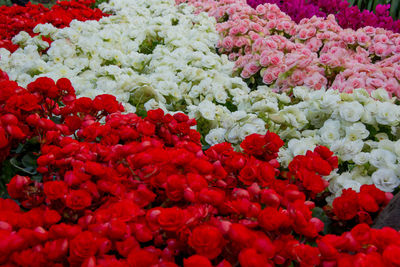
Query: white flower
356	131
300	147
381	158
351	111
388	114
207	109
345	149
361	158
330	132
385	179
380	94
215	136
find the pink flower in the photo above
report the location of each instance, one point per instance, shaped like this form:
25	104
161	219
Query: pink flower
227	43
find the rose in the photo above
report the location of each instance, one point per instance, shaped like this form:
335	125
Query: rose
207	241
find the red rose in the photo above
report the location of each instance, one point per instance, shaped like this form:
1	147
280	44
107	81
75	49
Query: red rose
207	241
171	219
197	261
55	189
78	200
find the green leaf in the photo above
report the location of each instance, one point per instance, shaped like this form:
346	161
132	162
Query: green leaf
320	214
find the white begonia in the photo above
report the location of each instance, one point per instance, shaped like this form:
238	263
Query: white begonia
388	114
207	109
396	148
330	132
215	136
356	131
351	111
345	149
330	100
385	179
381	158
301	92
301	146
361	158
380	94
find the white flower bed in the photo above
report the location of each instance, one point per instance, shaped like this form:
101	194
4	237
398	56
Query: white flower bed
148	49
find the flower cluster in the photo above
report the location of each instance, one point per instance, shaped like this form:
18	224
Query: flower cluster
14	19
351	204
117	189
147	50
184	74
362	131
347	16
269	48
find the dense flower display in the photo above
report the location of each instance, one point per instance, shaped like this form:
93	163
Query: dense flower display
141	192
363	134
269	48
235	137
15	19
347	16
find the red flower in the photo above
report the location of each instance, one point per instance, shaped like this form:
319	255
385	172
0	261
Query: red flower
55	189
171	219
17	186
197	261
82	247
142	258
254	145
307	255
78	199
271	219
250	257
346	206
391	255
207	241
107	103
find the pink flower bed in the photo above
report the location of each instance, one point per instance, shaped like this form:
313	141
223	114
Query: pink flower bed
269	48
347	16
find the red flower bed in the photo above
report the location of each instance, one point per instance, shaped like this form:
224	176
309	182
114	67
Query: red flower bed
14	19
120	190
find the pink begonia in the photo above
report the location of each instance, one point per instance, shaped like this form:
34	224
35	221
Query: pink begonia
347	16
267	45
